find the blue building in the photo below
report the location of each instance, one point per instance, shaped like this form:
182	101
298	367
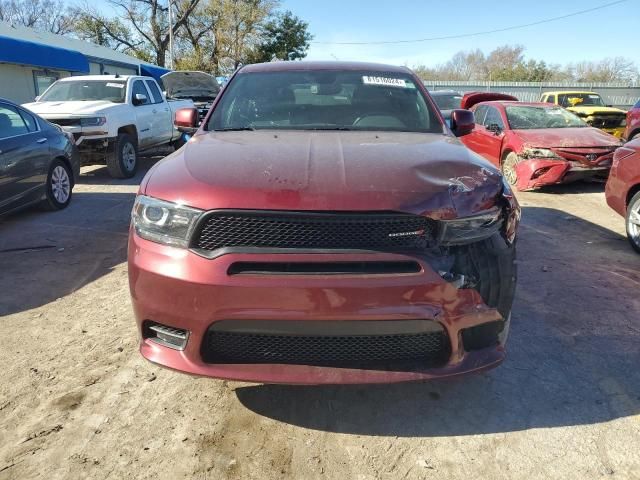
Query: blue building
31	60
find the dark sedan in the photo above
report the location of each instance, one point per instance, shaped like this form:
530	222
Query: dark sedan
38	162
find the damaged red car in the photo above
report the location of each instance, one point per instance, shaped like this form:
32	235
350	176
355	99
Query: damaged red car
537	144
323	225
623	189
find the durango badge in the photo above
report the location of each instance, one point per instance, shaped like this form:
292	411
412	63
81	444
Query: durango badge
407	234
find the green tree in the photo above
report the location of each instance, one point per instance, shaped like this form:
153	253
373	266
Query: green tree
285	37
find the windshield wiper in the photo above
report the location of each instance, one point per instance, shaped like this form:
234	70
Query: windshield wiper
341	129
234	129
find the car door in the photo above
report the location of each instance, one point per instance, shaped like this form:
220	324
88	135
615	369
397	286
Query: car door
162	118
24	156
474	140
144	113
491	134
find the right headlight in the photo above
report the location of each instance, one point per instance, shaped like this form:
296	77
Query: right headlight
471	229
164	222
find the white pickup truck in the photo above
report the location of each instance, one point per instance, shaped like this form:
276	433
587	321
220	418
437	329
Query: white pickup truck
112	118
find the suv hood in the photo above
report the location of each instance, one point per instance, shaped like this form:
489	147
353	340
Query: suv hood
347	171
591	110
195	84
567	137
69	108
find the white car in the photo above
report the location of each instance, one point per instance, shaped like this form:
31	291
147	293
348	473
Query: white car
111	118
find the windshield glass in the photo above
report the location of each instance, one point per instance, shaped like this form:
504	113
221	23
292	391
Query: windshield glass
447	102
324	100
528	117
85	91
580	100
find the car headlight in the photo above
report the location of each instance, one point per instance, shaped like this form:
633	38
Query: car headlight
92	121
539	153
164	222
471	229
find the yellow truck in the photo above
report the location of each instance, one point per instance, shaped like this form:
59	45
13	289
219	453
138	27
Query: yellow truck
591	108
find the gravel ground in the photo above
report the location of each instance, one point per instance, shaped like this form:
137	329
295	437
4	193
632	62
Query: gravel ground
77	400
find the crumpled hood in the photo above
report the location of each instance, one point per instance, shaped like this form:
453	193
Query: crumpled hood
197	84
49	109
567	137
593	109
348	171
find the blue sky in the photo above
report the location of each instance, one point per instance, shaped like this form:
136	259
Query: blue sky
612	31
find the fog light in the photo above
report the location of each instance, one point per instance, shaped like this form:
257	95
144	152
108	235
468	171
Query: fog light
175	338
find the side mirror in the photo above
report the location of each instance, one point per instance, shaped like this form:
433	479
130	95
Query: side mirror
462	122
139	99
495	128
186	120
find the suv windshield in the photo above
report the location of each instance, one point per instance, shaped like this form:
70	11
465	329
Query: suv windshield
447	102
324	100
85	91
528	117
580	100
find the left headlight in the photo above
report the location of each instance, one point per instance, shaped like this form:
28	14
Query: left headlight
539	153
92	121
471	229
164	222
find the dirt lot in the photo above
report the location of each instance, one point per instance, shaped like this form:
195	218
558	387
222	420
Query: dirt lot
77	400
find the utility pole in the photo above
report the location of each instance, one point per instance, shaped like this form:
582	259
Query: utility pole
170	36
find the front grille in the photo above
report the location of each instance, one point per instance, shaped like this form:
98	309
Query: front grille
372	351
325	231
65	122
607	121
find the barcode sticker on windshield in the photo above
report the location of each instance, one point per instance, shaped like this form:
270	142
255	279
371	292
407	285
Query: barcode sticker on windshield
115	85
384	81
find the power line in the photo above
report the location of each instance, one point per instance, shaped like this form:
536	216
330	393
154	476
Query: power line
486	32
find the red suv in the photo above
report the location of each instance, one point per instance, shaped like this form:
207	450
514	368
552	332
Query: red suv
632	129
323	225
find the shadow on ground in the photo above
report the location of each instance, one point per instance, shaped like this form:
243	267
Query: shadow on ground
47	255
572	354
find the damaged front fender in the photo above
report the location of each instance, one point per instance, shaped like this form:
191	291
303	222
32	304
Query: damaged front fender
535	173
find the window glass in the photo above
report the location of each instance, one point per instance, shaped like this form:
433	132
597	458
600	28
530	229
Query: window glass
43	81
493	117
11	123
138	87
155	91
447	102
528	117
480	113
86	91
325	100
29	120
580	100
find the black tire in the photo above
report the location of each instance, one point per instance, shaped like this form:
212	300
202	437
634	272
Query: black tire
633	229
120	162
59	186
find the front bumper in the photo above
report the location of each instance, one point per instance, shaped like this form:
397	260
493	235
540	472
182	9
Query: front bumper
181	289
535	173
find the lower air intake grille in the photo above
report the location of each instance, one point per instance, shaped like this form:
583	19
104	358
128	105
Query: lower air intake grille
375	351
297	230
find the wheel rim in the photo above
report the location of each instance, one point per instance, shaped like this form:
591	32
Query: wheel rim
60	184
129	156
633	222
509	170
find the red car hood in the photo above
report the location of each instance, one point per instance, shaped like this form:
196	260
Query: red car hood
355	171
584	137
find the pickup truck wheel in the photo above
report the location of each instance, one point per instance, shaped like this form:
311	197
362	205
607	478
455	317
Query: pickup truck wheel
58	187
633	222
509	168
123	161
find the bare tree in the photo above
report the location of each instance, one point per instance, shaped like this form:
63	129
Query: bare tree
46	15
